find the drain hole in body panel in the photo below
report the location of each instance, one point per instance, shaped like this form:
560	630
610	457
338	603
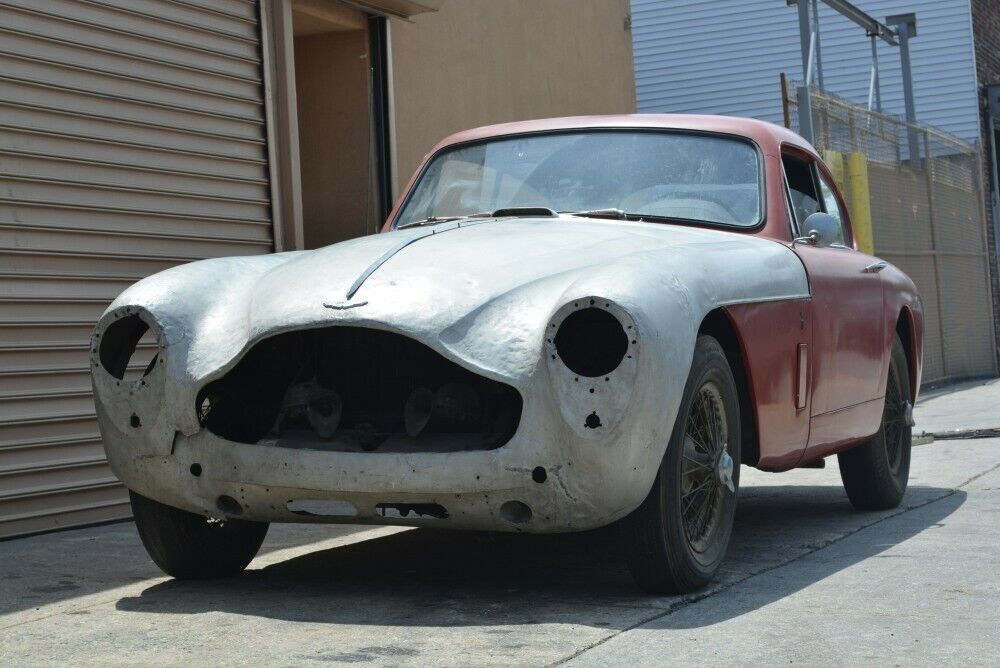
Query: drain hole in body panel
420	511
515	512
322	508
228	505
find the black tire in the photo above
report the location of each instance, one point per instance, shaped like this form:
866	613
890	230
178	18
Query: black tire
188	546
875	473
668	548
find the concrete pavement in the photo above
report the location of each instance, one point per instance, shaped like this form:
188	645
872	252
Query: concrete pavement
807	580
972	405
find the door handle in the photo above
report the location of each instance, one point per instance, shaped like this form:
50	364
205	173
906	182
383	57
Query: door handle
875	267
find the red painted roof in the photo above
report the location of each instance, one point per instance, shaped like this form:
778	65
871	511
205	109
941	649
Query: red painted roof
767	135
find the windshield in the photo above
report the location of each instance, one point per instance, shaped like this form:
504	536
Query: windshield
670	175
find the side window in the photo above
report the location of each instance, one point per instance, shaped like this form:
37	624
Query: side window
832	206
802	193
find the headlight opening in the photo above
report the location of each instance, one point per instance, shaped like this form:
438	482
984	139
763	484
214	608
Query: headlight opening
590	340
128	342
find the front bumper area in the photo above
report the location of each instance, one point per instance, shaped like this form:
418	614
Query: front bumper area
485	490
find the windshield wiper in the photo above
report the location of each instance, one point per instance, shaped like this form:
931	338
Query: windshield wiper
508	212
616	214
434	220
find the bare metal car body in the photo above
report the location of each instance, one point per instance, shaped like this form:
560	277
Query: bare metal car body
482	300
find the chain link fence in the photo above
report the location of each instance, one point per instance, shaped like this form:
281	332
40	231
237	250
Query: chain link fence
923	212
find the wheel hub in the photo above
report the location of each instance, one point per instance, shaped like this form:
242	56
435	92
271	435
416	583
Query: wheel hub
724	470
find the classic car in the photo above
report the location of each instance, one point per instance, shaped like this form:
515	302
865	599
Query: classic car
564	324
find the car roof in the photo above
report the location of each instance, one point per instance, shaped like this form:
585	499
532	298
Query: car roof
767	135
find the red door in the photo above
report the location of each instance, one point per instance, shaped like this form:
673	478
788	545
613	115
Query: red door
847	326
847	302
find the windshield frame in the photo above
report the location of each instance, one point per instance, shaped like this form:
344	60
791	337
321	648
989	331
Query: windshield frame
759	154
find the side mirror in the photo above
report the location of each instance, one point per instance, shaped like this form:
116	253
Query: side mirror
822	230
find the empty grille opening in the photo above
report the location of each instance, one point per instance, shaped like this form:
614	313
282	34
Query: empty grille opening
351	389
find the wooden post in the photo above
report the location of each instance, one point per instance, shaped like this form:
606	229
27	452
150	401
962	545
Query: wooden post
784	101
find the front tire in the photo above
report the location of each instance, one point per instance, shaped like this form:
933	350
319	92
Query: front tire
875	473
188	546
675	540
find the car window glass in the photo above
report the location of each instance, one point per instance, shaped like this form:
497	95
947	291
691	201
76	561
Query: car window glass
699	178
832	206
801	188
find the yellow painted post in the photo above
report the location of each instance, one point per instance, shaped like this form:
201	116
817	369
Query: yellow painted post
835	161
861	204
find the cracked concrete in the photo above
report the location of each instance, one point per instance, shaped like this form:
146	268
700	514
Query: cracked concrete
807	580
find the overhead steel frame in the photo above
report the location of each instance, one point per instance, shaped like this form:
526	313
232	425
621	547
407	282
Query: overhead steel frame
906	28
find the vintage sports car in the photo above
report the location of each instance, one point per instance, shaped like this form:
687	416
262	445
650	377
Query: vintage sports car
564	324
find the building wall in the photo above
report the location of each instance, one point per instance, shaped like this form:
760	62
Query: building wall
986	27
725	57
478	62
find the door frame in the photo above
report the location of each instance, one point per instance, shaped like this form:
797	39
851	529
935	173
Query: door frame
282	126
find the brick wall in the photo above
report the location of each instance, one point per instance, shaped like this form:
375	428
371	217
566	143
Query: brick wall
986	31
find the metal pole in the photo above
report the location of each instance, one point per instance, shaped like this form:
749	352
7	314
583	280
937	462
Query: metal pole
871	89
805	99
992	118
906	27
819	51
877	84
993	115
936	250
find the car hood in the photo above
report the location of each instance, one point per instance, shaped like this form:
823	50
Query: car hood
480	292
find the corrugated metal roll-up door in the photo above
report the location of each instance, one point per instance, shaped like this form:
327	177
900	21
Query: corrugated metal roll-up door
132	139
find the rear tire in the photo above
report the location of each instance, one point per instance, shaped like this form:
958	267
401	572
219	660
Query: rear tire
875	473
188	546
675	541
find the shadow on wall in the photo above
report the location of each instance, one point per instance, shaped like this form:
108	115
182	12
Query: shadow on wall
440	578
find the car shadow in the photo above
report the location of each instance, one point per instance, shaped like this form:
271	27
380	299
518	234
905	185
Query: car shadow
448	578
61	566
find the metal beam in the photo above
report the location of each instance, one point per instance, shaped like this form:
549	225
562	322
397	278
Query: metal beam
872	27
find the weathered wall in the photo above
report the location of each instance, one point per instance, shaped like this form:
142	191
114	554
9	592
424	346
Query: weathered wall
986	29
477	62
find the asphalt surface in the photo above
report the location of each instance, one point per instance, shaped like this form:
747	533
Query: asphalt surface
807	581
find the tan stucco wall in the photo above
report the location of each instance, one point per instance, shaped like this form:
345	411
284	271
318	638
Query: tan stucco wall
477	62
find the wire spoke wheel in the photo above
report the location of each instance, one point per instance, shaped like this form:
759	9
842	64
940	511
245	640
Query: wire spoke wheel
702	488
894	423
875	473
676	539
